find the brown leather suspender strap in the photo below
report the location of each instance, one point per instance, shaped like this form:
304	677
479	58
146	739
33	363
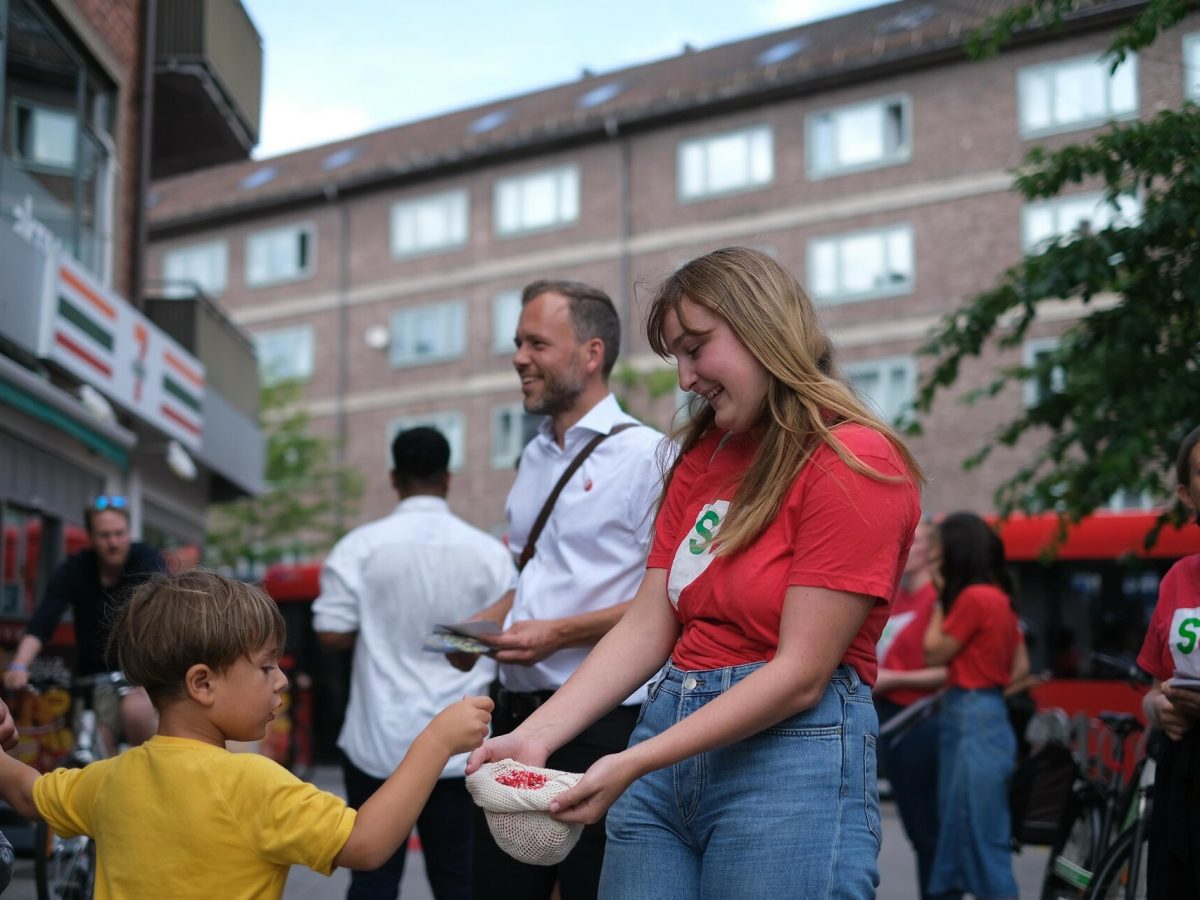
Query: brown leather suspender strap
548	506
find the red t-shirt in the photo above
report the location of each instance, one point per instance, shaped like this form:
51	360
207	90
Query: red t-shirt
1174	632
902	645
836	529
982	620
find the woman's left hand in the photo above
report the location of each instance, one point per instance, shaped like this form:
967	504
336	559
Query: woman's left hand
599	788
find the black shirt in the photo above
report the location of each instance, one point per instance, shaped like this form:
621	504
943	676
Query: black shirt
76	583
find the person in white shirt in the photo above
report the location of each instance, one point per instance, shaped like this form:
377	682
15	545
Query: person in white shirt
383	588
588	560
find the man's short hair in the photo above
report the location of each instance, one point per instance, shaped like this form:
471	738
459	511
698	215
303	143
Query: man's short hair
420	454
174	622
592	314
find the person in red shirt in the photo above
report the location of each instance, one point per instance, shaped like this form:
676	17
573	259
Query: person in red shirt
974	631
778	545
908	755
1170	654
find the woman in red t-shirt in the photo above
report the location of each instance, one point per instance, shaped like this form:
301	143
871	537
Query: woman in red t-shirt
778	545
1171	655
908	754
974	631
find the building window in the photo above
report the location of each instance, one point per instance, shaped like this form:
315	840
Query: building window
450	424
862	136
506	312
1049	220
725	163
888	386
429	224
1191	66
1075	93
537	201
861	265
279	254
56	144
426	334
204	266
1039	387
285	354
45	136
512	429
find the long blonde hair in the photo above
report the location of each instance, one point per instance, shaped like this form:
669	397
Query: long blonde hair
772	315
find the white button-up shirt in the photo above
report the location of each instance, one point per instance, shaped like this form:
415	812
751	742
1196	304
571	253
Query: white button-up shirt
391	581
592	553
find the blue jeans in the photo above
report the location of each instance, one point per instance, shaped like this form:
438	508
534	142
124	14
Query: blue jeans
976	756
910	763
792	811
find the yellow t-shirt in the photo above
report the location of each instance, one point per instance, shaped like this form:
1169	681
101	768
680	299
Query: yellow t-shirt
182	819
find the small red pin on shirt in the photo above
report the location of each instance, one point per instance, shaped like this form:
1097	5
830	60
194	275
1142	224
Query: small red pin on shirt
587	485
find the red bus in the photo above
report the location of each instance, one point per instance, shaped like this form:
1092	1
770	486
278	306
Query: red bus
1094	595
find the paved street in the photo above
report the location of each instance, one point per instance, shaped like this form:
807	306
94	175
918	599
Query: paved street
896	866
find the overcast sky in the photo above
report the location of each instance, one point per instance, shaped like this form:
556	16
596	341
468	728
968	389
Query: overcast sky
377	63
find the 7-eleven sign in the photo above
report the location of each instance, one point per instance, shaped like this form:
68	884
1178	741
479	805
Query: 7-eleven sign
104	341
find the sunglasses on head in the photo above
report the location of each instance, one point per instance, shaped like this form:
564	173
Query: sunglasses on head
109	501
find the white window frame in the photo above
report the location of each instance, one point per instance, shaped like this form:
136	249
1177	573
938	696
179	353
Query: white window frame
901	154
842	295
884	367
301	272
1030	351
411	217
1130	215
304	335
1191	66
505	458
402	356
206	252
567	184
450	422
502	336
1027	75
706	145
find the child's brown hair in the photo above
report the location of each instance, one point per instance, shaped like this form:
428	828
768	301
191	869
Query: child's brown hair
173	622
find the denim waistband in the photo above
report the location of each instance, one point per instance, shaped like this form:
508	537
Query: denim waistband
717	681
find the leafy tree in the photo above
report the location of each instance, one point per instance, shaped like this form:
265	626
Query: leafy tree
307	496
1126	376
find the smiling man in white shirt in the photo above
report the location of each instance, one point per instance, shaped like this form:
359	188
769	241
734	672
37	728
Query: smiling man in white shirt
383	588
588	560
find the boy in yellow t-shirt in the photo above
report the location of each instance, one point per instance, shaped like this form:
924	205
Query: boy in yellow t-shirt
182	817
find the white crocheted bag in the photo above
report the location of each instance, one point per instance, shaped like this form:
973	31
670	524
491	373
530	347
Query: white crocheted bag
515	799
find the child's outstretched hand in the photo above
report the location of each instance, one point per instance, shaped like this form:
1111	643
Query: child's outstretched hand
462	726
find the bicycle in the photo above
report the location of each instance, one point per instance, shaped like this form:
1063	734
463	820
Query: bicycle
1121	871
1102	802
64	868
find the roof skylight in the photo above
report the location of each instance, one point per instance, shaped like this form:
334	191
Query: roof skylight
339	158
782	51
258	178
598	96
907	20
488	121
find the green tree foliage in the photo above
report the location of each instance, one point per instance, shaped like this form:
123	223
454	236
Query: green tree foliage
1126	377
307	497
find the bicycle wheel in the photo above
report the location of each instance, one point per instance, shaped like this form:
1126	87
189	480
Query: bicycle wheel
63	868
1069	867
1112	874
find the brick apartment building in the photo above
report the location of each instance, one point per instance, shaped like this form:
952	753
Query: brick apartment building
866	152
103	390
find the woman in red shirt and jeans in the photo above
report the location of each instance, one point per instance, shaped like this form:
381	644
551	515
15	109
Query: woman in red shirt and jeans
974	631
778	545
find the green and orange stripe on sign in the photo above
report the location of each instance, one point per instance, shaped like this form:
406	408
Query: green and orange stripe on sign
183	393
93	319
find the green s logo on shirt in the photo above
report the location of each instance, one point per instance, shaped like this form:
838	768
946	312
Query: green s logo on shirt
706	526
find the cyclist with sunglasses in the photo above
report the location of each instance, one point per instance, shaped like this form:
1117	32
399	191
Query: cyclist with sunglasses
95	582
